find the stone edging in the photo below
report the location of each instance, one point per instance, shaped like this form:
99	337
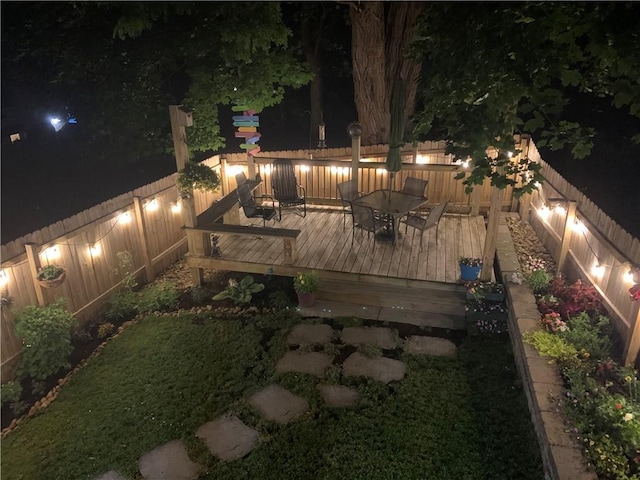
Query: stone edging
561	452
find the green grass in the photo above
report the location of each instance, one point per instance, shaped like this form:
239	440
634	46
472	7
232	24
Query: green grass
164	377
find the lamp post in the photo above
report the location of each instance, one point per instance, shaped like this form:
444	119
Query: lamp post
355	131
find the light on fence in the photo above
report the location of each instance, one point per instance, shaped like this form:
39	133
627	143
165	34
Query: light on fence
422	159
95	250
544	212
597	270
578	226
4	278
52	253
152	205
268	167
345	170
175	207
366	160
304	168
333	169
560	210
465	163
124	217
537	185
233	170
627	277
381	170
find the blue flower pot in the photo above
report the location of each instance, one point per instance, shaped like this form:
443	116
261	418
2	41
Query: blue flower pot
469	274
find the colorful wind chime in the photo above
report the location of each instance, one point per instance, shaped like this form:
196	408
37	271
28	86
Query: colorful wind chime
247	124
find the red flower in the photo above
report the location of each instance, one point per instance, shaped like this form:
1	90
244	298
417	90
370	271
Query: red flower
635	292
618	406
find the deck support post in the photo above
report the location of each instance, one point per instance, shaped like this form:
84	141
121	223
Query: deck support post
34	266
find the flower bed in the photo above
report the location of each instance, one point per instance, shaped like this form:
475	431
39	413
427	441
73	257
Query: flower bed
599	396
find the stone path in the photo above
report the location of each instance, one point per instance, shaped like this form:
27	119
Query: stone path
229	439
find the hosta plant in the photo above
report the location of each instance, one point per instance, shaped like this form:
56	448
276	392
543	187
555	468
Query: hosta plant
240	292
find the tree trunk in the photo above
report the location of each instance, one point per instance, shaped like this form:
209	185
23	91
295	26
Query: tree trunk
380	35
311	28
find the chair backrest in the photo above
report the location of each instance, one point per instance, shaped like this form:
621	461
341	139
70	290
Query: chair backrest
241	178
436	214
245	198
348	191
283	180
414	186
363	217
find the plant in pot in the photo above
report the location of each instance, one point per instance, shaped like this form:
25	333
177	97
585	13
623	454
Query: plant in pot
51	276
196	176
306	285
470	268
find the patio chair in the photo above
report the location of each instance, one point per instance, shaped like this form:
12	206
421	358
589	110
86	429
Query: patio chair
363	218
415	186
348	192
241	178
251	210
421	223
286	189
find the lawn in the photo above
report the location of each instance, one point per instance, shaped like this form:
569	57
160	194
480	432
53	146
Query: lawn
165	376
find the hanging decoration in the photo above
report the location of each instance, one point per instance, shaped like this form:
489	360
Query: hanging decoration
247	125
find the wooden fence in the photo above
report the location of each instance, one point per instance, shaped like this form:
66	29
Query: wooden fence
145	223
588	245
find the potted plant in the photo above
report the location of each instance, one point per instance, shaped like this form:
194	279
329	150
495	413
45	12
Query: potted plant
470	268
51	276
196	176
305	285
485	291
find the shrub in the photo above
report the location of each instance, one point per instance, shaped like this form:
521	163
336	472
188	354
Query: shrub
552	345
199	294
585	334
10	394
158	297
122	305
105	329
46	333
197	176
607	457
280	300
240	292
539	280
125	265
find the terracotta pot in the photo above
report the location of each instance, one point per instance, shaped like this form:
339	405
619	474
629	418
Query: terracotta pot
306	299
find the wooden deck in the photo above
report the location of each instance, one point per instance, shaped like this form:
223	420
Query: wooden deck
325	245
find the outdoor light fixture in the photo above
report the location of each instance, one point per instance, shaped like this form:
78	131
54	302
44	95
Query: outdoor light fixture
333	169
381	170
422	159
304	168
544	212
628	277
560	210
233	170
95	250
52	253
465	163
4	278
124	217
321	135
153	205
175	207
354	129
578	226
597	270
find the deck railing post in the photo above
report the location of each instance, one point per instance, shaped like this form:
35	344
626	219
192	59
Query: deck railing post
566	235
34	266
144	239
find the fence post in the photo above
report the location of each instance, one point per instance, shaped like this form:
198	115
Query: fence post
632	345
566	235
144	239
34	266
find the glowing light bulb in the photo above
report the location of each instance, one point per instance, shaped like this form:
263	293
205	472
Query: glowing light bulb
175	207
95	250
578	226
153	205
560	210
333	169
304	168
627	277
124	217
52	253
544	212
233	170
4	278
381	170
597	270
422	159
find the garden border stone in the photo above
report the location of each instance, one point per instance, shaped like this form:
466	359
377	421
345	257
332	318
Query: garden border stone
562	456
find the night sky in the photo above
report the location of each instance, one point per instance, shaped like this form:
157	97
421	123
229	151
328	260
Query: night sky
49	176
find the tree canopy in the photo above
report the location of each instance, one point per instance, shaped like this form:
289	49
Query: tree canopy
495	69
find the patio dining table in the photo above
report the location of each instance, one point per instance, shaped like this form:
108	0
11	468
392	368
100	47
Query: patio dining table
393	204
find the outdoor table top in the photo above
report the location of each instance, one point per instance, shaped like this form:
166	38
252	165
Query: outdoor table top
390	202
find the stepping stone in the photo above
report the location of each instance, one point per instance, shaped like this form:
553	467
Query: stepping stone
315	363
228	438
278	404
110	475
423	345
380	368
310	335
339	395
380	337
168	462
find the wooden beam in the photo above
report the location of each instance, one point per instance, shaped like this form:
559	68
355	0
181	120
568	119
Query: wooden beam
179	134
144	239
490	242
355	159
34	266
566	235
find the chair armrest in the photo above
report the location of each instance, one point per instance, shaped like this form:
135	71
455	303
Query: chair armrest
266	197
304	191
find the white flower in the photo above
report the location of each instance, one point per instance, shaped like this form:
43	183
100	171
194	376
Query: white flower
628	417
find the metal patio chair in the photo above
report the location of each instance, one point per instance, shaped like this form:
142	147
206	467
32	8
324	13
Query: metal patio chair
348	192
420	223
415	186
364	218
251	210
286	189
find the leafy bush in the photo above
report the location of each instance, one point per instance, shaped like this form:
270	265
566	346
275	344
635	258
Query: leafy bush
46	333
199	294
105	329
197	176
158	297
576	298
280	300
539	280
122	305
607	457
585	334
552	345
124	269
306	282
10	394
240	292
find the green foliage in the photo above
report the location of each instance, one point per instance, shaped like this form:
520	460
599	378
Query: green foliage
240	292
199	294
197	176
585	334
122	305
124	269
306	282
607	456
10	394
157	297
280	300
50	272
539	280
551	345
46	333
